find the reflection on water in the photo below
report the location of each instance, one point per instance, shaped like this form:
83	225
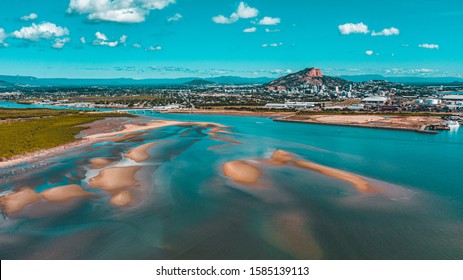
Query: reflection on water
182	206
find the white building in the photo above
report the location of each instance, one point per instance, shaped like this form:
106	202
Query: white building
375	100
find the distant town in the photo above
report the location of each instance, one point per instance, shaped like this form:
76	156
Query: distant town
306	90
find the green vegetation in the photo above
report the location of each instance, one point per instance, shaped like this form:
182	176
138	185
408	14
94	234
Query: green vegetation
30	113
51	129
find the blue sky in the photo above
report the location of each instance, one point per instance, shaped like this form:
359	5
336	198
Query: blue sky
184	38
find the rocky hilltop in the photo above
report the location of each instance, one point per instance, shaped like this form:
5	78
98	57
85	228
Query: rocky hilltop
306	77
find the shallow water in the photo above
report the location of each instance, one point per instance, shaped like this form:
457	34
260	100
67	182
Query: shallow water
185	208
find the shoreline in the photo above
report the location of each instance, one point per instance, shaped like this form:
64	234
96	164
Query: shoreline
286	117
99	132
416	130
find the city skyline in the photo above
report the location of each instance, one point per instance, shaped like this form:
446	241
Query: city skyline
168	38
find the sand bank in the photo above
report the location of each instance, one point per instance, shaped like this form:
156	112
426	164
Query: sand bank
398	122
139	153
283	157
98	163
122	198
16	202
241	172
131	128
115	178
64	193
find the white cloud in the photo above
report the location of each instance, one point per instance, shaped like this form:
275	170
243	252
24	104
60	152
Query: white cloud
243	11
224	20
82	40
60	42
269	21
386	32
29	17
250	30
102	40
3	36
272	45
126	11
123	39
268	30
44	30
176	17
136	45
369	52
151	48
349	28
429	46
101	36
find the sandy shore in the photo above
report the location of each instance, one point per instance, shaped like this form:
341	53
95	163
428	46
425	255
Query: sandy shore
133	128
282	157
241	172
139	153
412	123
126	131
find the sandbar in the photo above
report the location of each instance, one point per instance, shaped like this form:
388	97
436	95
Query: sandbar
241	172
139	153
115	178
16	202
64	193
122	198
98	163
358	182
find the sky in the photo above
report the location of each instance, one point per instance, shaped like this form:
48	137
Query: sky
253	38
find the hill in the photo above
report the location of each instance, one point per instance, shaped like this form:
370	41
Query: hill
199	83
307	77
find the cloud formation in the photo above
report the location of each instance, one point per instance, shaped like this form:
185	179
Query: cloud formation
44	30
268	30
153	49
272	45
386	32
102	40
269	21
29	17
175	17
3	36
243	11
125	11
250	30
369	52
60	42
351	28
429	46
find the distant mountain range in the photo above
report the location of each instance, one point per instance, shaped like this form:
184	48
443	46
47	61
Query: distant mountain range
25	81
307	76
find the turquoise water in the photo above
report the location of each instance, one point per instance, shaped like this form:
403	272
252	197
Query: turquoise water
186	208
